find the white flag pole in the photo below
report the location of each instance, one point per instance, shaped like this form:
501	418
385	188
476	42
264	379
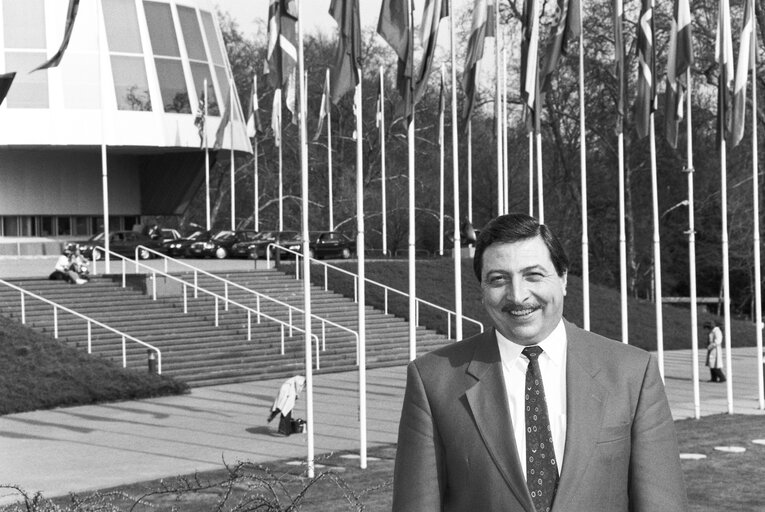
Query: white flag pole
470	169
360	255
656	250
412	254
281	178
505	175
726	270
330	180
441	227
256	199
622	228
306	262
531	173
583	166
383	183
692	252
102	55
498	110
457	249
233	162
756	229
207	159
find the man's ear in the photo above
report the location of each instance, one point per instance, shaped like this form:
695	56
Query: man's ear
565	282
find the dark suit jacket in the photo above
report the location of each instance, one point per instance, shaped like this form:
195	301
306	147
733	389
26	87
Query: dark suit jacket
456	450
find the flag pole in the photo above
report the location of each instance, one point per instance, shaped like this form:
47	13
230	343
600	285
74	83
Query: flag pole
411	183
233	163
531	173
656	249
470	169
441	227
692	253
538	138
622	228
256	200
330	179
457	250
360	246
505	175
498	111
281	175
306	262
726	269
104	164
583	166
207	159
383	183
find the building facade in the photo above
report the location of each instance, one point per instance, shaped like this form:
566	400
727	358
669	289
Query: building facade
116	115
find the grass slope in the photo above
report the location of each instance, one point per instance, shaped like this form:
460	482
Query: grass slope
435	283
39	372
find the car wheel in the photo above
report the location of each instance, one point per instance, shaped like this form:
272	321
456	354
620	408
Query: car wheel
221	253
346	253
144	254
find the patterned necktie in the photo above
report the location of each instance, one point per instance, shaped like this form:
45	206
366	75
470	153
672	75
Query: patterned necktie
541	466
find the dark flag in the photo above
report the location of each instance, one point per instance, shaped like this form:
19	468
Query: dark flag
6	79
345	71
434	12
282	48
323	109
254	126
530	64
618	14
567	29
395	26
71	14
679	59
199	122
746	56
224	122
645	103
483	27
724	53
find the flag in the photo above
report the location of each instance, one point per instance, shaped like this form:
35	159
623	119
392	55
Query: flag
324	108
276	117
567	29
395	26
199	122
254	126
6	79
281	55
380	105
483	27
724	53
71	14
618	14
441	108
530	64
345	71
224	122
646	82
679	59
746	56
432	14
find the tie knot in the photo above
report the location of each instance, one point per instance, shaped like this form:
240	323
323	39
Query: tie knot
532	352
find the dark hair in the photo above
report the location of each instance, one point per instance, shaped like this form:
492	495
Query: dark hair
515	227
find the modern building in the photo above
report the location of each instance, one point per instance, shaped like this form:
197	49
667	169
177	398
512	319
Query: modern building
117	114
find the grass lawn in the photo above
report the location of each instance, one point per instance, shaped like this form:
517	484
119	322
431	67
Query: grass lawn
721	481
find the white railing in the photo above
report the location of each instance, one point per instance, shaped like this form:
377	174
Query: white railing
90	323
258	296
217	298
386	289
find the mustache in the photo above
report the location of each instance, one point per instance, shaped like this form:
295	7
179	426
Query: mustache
514	307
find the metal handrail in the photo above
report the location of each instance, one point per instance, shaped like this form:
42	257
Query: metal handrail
386	288
258	295
226	301
90	321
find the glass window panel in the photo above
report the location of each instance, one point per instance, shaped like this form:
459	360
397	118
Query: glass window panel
130	83
81	83
199	72
212	39
80	226
191	33
64	226
122	26
46	226
175	96
161	29
224	86
24	24
10	226
29	90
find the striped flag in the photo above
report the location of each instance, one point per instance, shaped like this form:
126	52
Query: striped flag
679	60
281	55
224	122
483	27
432	14
530	64
724	53
345	71
441	108
618	14
379	105
324	108
199	122
395	26
567	29
746	56
254	125
646	82
71	14
276	117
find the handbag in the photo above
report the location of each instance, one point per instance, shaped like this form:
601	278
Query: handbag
297	426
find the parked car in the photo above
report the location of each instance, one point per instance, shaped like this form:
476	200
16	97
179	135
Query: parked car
289	239
219	246
247	248
179	248
331	244
121	242
169	234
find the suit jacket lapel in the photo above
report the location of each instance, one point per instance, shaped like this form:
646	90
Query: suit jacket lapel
585	398
488	402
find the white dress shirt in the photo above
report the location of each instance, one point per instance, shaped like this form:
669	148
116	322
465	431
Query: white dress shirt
552	364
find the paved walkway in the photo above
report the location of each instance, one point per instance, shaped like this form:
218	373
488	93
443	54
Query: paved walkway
98	446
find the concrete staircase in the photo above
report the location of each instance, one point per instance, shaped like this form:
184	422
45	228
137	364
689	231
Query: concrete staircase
193	348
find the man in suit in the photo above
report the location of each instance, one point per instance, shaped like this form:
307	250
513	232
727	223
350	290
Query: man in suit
473	435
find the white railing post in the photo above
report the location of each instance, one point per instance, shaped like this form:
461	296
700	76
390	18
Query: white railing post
165	260
326	279
23	309
290	321
449	325
323	335
90	338
386	301
124	353
124	279
55	322
249	325
257	303
355	289
154	285
282	329
225	294
216	311
318	365
196	285
416	312
185	300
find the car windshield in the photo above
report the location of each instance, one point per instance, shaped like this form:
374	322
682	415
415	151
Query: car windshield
247	236
223	234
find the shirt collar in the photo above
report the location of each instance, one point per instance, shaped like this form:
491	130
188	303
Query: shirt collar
554	346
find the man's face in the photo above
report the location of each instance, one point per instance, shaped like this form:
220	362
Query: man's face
522	292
